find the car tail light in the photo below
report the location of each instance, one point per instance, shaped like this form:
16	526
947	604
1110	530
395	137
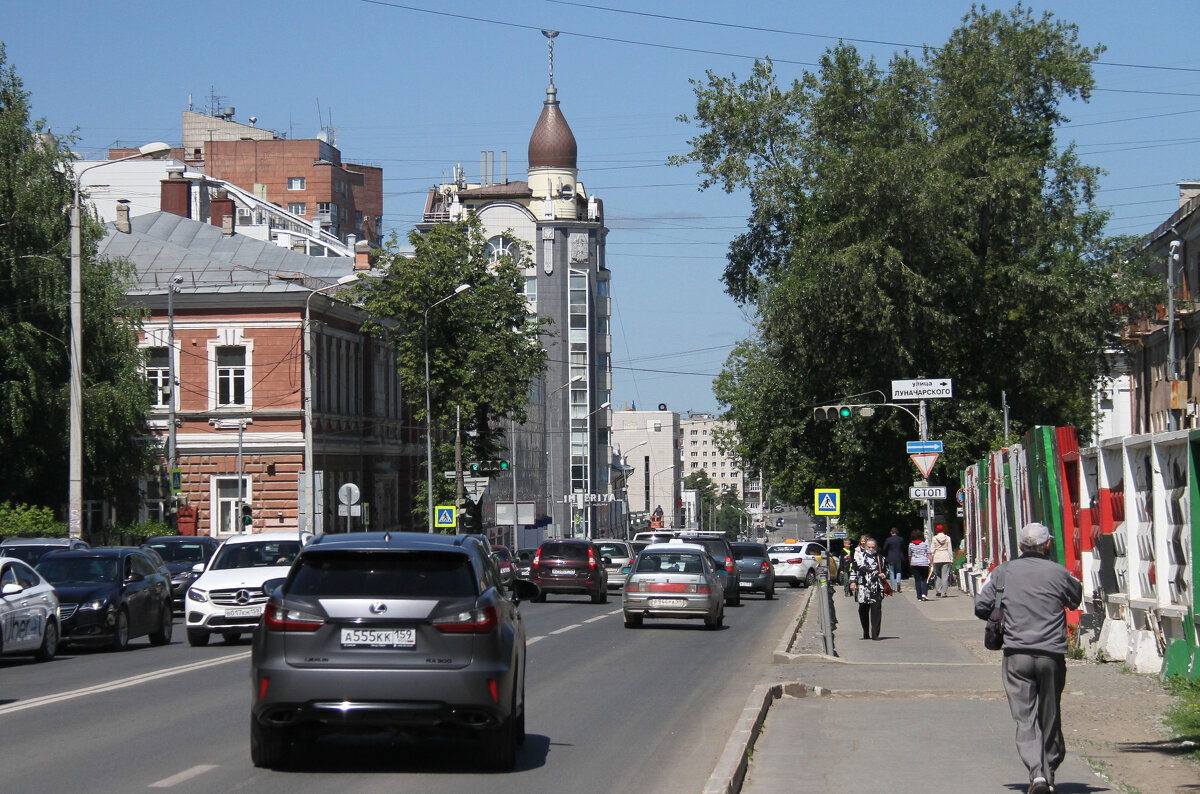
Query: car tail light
729	564
591	559
796	561
633	586
766	566
470	621
262	687
282	619
537	559
702	589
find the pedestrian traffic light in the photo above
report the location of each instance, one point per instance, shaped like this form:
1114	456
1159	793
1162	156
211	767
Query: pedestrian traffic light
247	515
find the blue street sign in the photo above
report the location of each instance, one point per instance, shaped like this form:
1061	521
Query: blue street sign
924	447
444	516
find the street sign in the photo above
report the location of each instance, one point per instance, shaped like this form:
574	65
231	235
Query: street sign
444	517
923	447
348	494
350	510
176	480
927	389
927	492
925	462
827	501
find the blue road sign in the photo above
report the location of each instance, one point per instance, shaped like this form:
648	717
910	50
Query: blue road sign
444	516
924	447
827	501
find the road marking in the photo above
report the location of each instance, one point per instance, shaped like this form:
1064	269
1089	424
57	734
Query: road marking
566	628
186	774
598	617
120	684
616	612
532	640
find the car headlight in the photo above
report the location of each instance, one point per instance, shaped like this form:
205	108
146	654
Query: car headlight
184	576
197	595
98	604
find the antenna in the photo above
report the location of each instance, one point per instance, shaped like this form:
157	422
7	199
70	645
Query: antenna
550	35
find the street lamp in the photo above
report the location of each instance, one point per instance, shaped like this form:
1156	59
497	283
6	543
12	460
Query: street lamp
75	352
550	448
461	288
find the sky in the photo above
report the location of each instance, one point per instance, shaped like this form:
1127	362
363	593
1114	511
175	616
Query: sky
418	87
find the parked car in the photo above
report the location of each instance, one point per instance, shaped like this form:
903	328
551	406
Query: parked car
719	549
754	569
794	563
504	562
31	550
617	554
227	597
396	631
28	612
570	566
108	596
674	580
180	553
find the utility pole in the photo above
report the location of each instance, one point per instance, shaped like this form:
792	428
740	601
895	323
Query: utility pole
459	487
172	387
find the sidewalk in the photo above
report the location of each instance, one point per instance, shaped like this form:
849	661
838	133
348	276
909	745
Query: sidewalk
920	711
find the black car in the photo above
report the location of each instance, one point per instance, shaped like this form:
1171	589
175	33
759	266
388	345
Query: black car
106	596
31	550
180	553
722	553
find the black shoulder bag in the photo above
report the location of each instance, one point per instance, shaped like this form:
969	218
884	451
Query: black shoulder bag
993	630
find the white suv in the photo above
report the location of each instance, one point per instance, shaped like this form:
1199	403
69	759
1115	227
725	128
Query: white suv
227	598
795	563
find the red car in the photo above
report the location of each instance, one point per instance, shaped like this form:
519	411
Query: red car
570	566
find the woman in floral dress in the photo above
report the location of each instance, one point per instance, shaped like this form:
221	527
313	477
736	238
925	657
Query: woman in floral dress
866	581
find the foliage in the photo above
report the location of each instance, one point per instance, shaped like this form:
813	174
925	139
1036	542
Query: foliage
36	193
29	521
1183	718
484	346
917	221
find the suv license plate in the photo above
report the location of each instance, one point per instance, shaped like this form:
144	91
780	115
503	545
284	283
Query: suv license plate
379	638
244	612
562	571
668	602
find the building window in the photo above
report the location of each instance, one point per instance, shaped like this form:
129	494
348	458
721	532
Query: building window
693	455
695	465
158	374
297	183
325	207
531	289
298	208
500	246
227	515
231	375
694	432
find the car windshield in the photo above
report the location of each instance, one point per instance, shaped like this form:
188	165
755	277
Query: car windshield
749	552
257	554
565	551
181	552
502	553
669	562
386	575
525	555
58	569
612	550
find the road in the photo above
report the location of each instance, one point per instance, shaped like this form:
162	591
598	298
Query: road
609	708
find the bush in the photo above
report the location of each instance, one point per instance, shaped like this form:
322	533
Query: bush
29	521
135	534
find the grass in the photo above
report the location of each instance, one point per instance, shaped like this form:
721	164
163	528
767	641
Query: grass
1184	717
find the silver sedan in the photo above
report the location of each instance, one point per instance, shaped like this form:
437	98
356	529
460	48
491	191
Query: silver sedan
674	580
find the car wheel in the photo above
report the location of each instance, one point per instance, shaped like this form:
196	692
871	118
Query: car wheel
120	638
197	639
269	747
734	600
49	642
633	621
769	593
601	597
793	583
500	745
811	579
163	635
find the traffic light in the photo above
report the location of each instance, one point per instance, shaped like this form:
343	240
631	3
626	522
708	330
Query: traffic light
247	515
486	467
831	412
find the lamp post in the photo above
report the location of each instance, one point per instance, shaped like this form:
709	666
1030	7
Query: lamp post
629	470
461	288
75	352
550	449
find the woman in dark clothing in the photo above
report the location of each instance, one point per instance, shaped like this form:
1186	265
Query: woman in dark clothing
867	580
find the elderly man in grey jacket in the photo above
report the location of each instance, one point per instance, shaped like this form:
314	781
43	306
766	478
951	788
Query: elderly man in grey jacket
1033	592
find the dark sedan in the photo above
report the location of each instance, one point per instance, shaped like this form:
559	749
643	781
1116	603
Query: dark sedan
180	553
106	596
757	575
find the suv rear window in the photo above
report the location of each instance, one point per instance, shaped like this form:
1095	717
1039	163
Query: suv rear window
565	551
717	547
385	575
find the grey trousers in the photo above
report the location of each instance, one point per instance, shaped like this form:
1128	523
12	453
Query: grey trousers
942	571
1034	685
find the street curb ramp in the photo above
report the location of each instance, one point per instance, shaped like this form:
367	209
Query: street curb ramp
730	772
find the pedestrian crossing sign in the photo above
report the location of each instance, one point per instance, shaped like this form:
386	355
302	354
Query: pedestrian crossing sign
828	501
443	517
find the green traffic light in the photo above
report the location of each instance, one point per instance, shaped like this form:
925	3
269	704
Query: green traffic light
504	465
844	411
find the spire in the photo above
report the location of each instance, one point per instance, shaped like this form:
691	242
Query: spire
552	144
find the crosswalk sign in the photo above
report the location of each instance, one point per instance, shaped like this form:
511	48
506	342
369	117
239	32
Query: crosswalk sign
443	517
827	501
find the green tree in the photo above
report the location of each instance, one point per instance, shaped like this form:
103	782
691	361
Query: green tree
921	220
718	508
484	345
36	192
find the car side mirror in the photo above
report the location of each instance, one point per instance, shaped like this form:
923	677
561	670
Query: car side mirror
12	588
524	589
134	577
271	585
199	567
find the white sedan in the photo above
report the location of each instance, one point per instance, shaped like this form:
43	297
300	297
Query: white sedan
28	612
794	563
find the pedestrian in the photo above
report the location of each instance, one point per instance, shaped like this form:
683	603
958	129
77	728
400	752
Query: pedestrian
918	564
893	552
867	580
941	553
844	564
1033	592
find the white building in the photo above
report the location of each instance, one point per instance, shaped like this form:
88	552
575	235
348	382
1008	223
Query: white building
649	443
701	452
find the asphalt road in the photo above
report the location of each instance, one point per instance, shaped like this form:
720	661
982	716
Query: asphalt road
609	708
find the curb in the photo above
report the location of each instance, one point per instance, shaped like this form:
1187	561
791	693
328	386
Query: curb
730	772
783	654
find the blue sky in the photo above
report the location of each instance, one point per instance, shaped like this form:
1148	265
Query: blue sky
417	92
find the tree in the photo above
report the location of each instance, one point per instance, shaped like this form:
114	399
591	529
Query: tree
484	345
719	509
36	193
918	221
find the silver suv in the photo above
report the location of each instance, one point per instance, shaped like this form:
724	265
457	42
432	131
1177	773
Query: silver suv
400	632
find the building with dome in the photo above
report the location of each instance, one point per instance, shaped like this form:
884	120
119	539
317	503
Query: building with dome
561	456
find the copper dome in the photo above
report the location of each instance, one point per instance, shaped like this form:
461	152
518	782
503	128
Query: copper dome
552	144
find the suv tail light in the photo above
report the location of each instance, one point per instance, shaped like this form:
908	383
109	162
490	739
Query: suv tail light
470	621
591	558
729	564
279	619
537	559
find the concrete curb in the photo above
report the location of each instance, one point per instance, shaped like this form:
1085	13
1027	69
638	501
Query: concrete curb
730	772
783	653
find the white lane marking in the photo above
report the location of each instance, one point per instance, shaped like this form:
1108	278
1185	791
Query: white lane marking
186	774
120	684
616	612
566	628
598	617
532	640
